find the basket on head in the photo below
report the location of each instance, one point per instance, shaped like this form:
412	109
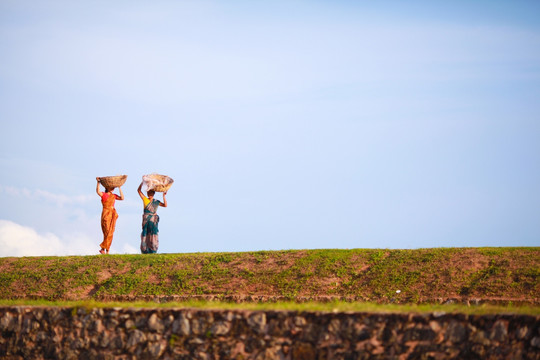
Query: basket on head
158	183
109	182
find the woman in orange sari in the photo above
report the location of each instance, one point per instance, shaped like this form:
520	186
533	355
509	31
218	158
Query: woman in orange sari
108	215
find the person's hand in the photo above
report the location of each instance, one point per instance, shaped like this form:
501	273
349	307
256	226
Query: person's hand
98	179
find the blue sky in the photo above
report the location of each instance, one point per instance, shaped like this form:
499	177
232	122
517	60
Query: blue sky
286	125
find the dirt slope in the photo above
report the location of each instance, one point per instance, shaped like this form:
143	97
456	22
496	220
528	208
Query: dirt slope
402	276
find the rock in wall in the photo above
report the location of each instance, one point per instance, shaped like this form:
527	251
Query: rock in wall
128	333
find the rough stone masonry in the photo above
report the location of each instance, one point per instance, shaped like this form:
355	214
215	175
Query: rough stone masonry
127	333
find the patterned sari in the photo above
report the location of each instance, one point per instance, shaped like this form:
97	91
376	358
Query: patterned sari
108	219
149	235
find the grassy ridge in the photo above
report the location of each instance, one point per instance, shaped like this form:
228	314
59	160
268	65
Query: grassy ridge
421	275
333	306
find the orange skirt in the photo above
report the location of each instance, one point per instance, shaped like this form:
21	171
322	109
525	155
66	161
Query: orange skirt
108	224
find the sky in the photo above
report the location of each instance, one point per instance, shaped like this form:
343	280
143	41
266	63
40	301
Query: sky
284	124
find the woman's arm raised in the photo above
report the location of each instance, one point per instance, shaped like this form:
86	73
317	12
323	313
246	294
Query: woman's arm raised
98	191
140	192
164	203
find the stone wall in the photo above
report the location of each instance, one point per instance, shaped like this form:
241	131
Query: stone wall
128	333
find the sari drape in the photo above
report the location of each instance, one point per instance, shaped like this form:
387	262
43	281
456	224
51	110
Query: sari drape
149	235
108	219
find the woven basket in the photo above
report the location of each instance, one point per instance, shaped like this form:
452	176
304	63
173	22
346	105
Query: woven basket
158	183
109	182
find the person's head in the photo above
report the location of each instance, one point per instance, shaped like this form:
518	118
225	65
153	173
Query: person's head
109	189
150	193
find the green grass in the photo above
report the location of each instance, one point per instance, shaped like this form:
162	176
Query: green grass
374	275
336	306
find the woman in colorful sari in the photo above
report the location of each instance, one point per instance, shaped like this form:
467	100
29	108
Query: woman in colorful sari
150	220
108	215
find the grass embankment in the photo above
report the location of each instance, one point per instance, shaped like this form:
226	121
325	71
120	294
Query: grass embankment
424	275
333	306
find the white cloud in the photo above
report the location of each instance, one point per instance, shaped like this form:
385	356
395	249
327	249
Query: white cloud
18	240
128	249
